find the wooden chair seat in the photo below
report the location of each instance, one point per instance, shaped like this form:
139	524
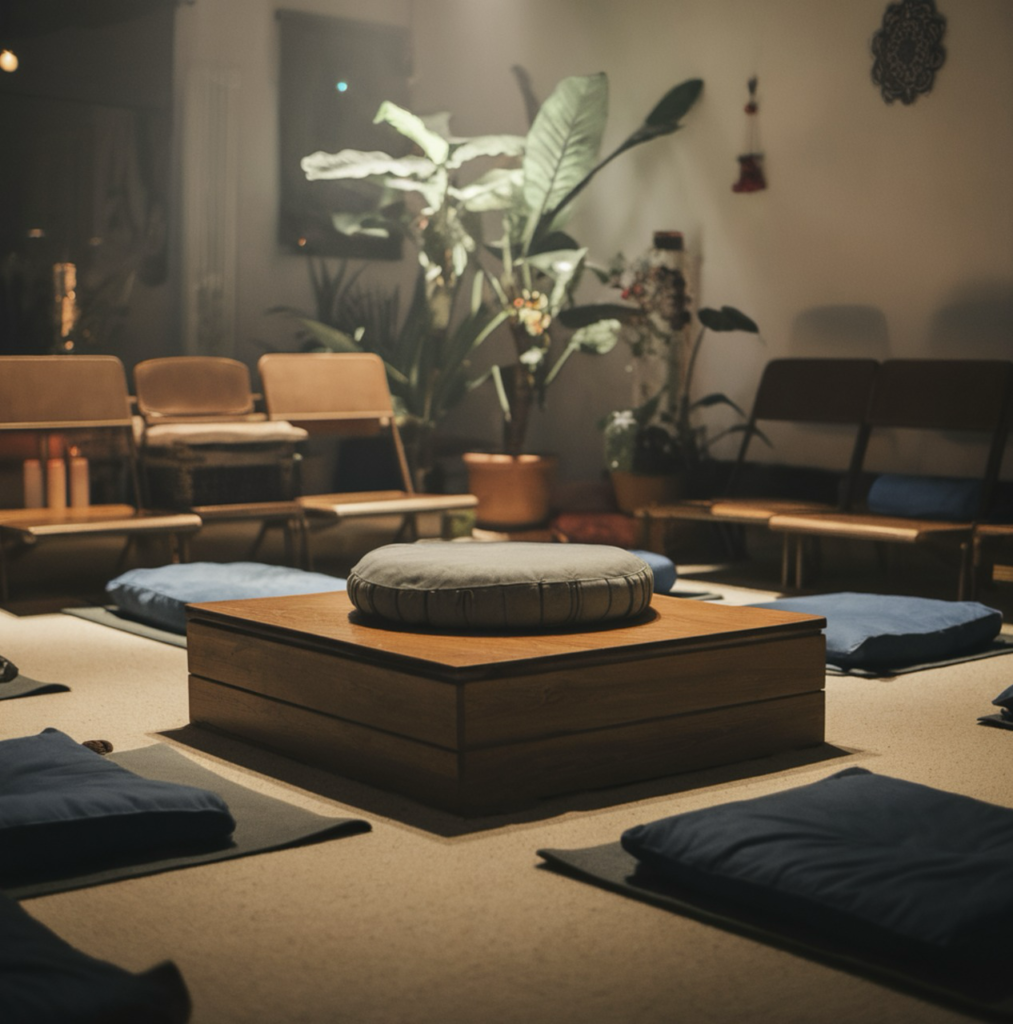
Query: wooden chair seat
864	526
31	524
747	511
380	503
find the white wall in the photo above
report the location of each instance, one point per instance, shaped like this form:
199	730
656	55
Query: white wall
886	230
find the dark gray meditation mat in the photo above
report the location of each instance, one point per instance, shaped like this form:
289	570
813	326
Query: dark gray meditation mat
982	987
1002	644
109	616
262	824
22	686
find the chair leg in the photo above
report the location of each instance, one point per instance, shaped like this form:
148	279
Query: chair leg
966	580
786	543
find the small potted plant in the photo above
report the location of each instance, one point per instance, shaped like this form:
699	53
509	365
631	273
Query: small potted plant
653	448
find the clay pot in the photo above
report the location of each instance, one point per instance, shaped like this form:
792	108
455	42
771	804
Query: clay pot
513	491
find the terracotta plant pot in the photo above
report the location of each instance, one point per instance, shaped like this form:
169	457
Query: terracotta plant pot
639	490
513	491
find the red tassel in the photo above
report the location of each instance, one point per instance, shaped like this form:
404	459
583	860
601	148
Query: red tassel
751	177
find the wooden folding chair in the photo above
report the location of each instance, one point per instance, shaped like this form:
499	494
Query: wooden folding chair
969	397
201	423
346	394
797	391
78	401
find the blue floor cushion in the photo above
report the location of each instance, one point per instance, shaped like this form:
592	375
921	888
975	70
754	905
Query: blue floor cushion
44	980
159	596
63	806
664	570
865	856
884	631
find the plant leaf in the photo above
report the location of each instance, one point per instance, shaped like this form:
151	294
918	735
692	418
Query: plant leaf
563	143
356	163
497	189
412	127
660	121
484	145
717	399
330	338
727	319
668	112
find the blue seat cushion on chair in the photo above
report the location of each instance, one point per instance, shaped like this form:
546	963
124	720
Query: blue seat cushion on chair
884	631
159	596
63	806
861	855
664	570
925	497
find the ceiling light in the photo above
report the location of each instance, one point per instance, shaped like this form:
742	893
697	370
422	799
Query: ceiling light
8	61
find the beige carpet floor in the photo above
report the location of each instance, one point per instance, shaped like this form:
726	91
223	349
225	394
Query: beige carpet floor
431	919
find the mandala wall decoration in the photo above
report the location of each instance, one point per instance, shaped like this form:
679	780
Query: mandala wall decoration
908	49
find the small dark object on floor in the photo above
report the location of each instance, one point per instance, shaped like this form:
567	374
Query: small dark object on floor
8	670
99	746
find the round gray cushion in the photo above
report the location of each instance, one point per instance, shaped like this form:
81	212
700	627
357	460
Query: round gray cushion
509	585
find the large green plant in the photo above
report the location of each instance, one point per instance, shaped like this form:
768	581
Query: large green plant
527	277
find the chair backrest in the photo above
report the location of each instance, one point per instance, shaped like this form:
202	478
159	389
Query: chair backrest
188	388
833	392
948	395
63	392
342	393
80	395
326	390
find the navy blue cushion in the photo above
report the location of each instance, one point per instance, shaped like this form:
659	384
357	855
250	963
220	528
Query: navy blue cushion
883	631
925	497
663	568
856	853
44	980
159	596
62	806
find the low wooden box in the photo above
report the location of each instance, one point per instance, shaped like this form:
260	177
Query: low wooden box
483	722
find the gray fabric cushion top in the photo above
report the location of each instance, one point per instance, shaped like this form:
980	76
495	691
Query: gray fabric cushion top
509	585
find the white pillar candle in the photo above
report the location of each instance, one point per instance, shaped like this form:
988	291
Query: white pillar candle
56	483
79	487
32	477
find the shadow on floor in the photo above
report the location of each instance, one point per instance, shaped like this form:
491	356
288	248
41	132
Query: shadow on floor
368	799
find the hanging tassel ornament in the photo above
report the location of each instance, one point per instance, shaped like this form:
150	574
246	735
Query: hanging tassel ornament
751	177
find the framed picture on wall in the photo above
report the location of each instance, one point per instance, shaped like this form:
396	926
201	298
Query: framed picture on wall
333	75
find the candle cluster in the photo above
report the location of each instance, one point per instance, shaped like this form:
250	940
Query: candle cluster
50	489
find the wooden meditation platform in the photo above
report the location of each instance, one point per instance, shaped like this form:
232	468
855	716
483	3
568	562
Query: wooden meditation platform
482	722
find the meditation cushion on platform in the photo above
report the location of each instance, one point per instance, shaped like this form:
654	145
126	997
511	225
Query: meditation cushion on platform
864	856
503	585
159	596
65	806
883	631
